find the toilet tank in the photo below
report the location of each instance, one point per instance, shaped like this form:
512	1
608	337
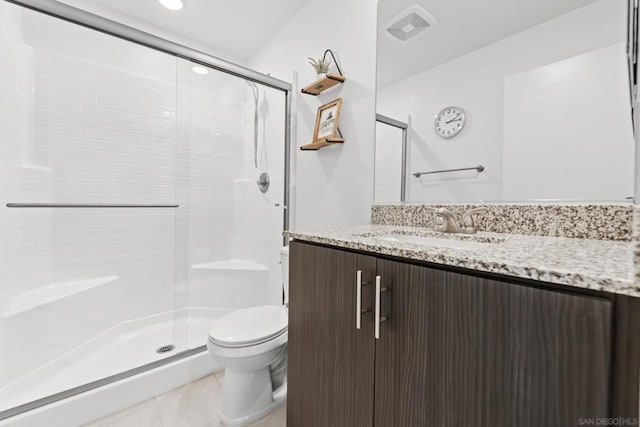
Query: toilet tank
284	265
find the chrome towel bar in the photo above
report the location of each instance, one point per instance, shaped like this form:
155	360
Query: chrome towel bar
478	168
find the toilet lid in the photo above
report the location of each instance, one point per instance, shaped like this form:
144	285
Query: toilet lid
249	326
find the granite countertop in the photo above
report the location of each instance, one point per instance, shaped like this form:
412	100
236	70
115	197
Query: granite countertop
584	263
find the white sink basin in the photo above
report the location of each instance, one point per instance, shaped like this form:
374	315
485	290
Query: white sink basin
451	243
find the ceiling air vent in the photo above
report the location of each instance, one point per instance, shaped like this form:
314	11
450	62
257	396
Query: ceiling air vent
409	24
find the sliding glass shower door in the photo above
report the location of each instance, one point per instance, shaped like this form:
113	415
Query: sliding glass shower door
141	198
231	144
87	133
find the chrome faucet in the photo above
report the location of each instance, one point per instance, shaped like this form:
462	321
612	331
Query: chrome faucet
446	222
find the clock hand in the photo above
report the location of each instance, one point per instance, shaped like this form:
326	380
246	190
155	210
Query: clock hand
453	120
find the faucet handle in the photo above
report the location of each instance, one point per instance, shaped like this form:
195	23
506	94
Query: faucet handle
444	212
446	221
468	224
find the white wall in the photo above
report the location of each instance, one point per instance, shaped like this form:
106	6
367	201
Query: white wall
476	82
567	132
333	185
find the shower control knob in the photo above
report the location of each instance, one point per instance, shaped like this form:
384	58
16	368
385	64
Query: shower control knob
263	182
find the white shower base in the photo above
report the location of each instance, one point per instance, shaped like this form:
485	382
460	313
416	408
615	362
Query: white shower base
124	347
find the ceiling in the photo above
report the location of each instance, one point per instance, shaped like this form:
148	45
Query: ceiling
462	27
232	29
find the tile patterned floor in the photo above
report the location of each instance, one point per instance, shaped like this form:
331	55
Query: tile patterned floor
192	405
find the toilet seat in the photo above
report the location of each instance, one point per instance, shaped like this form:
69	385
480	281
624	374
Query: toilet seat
249	327
246	351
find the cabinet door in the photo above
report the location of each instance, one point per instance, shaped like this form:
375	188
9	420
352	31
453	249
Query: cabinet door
330	380
462	350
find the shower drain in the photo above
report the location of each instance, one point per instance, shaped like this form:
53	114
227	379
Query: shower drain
165	349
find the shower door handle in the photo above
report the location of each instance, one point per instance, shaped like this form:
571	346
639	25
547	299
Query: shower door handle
85	205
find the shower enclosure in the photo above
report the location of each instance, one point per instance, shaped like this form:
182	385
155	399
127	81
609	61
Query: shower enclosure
130	215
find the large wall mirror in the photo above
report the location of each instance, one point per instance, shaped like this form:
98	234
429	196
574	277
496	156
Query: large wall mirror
504	100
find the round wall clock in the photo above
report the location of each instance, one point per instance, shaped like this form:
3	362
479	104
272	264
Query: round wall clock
449	122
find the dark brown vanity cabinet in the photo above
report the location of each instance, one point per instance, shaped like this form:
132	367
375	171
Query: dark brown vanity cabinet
462	350
453	349
331	363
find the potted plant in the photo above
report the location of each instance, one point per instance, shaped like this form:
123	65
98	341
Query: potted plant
321	66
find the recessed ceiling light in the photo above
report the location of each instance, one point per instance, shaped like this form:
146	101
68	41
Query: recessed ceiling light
200	70
172	4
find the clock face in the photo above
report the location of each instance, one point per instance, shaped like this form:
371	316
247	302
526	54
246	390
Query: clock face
449	122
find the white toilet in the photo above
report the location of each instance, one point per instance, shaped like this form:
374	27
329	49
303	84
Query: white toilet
251	344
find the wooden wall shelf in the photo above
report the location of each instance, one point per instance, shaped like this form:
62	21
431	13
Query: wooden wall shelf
327	82
322	143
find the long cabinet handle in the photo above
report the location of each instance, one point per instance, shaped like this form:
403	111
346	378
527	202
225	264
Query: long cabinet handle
378	319
358	299
359	310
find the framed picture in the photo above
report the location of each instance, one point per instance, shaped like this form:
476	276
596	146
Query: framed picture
327	121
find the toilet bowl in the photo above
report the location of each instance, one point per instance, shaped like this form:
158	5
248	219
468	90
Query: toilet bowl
251	345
